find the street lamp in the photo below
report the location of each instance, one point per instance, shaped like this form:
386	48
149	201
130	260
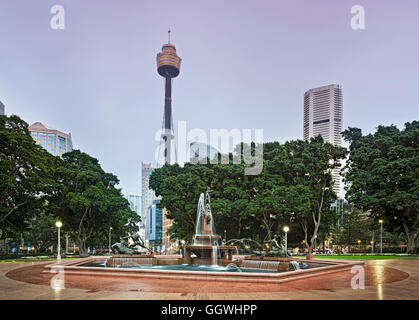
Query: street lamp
286	229
359	244
110	230
58	224
381	237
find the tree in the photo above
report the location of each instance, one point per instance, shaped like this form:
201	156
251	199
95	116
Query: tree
295	184
87	199
355	225
25	174
40	232
382	174
306	191
180	189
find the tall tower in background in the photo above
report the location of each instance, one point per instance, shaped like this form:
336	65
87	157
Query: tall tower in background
168	66
2	111
323	114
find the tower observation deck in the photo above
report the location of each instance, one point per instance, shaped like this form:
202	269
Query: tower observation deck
168	66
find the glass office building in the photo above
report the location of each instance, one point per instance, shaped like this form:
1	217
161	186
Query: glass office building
147	194
54	141
154	225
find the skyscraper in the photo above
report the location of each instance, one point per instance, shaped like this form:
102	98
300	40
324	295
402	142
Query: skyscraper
147	194
166	224
134	202
54	141
323	113
2	112
154	226
135	205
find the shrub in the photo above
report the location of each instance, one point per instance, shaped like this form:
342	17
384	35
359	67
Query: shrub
392	250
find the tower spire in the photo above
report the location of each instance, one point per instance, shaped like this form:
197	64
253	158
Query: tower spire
168	35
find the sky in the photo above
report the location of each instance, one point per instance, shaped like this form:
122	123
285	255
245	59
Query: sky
245	64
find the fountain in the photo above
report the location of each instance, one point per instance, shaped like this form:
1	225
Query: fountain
204	260
206	242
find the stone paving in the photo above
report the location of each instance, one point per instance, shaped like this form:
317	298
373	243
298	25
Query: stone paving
384	279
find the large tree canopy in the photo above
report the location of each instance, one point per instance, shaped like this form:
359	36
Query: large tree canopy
37	188
383	171
295	184
305	193
25	173
87	199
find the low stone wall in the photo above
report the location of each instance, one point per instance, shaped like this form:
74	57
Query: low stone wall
282	259
283	263
126	260
225	262
201	261
166	261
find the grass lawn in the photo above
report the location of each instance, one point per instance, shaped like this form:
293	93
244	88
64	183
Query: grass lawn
35	259
364	257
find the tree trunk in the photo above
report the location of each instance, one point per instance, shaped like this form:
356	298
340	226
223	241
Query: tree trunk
82	246
240	227
324	244
268	227
411	239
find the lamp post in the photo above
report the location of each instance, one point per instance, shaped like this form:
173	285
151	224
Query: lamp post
372	242
381	237
286	229
110	249
359	245
58	224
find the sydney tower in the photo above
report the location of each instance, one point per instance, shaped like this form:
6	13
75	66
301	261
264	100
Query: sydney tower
168	66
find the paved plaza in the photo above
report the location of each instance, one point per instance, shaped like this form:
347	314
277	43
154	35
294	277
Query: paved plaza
384	279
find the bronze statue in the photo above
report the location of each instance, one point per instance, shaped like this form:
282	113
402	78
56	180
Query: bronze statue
124	246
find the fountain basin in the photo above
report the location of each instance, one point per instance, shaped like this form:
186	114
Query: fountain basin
89	267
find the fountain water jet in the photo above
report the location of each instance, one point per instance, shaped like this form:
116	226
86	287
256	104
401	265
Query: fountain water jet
206	242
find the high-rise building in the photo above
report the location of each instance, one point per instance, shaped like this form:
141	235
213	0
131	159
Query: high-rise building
135	205
135	202
2	109
166	224
154	225
54	141
323	115
147	194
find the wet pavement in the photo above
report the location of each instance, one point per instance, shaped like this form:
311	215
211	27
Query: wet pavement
384	279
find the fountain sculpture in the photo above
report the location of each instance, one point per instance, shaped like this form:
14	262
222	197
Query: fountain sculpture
133	244
206	242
